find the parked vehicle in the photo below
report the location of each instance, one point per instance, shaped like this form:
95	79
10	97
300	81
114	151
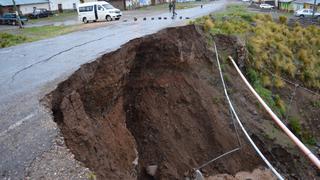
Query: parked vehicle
11	18
266	6
40	13
306	13
97	11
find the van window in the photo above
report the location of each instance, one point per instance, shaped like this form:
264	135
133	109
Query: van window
85	8
108	6
100	8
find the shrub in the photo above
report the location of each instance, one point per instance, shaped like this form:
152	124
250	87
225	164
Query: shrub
283	19
253	77
315	104
208	25
308	139
278	82
287	51
266	81
280	105
7	39
295	125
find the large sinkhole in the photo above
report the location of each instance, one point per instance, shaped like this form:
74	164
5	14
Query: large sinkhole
149	103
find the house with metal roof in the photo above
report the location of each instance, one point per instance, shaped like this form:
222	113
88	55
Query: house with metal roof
24	6
28	6
307	4
61	5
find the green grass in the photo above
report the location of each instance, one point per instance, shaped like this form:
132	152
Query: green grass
55	18
292	52
43	32
18	36
303	134
288	51
315	104
234	11
234	20
182	5
7	39
273	100
308	139
295	126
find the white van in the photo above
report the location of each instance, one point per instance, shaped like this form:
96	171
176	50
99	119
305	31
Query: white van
97	11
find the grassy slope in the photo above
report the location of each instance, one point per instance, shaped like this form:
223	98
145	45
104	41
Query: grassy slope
273	46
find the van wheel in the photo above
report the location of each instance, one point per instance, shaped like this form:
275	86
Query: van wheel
14	23
108	18
85	20
301	16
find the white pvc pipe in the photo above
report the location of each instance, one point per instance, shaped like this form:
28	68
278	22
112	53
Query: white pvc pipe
240	123
301	146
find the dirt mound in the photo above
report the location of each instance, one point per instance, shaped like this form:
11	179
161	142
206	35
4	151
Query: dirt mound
158	100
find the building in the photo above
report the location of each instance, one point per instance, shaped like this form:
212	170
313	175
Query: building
24	6
286	5
61	5
28	6
305	4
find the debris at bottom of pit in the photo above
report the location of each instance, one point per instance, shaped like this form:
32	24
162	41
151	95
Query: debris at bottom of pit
152	170
155	94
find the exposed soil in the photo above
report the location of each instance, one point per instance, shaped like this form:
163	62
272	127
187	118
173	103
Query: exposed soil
158	100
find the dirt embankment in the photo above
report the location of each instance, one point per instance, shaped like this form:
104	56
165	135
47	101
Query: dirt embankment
158	100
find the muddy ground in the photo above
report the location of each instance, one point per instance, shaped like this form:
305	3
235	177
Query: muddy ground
158	100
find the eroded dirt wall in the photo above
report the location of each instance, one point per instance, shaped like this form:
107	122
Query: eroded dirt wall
157	98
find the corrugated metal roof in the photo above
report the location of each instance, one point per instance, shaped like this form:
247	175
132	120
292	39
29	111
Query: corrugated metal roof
285	1
21	2
307	1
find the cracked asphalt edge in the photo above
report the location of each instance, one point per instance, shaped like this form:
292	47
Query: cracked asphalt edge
55	55
57	163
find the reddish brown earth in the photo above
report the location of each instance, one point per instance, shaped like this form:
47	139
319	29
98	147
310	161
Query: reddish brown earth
159	99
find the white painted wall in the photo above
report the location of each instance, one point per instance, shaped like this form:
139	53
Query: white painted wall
28	9
297	6
66	4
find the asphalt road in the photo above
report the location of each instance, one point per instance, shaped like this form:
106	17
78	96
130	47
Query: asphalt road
31	70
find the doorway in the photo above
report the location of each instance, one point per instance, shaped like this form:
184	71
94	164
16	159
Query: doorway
60	8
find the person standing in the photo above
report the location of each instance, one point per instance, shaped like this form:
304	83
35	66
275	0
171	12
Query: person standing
174	8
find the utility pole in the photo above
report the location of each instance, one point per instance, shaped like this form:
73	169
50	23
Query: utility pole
314	8
17	13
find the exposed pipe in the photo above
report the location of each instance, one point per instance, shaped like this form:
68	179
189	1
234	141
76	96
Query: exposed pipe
295	140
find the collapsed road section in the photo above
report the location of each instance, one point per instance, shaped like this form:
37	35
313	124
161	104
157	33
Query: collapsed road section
155	108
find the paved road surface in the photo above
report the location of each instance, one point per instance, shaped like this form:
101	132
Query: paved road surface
29	71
